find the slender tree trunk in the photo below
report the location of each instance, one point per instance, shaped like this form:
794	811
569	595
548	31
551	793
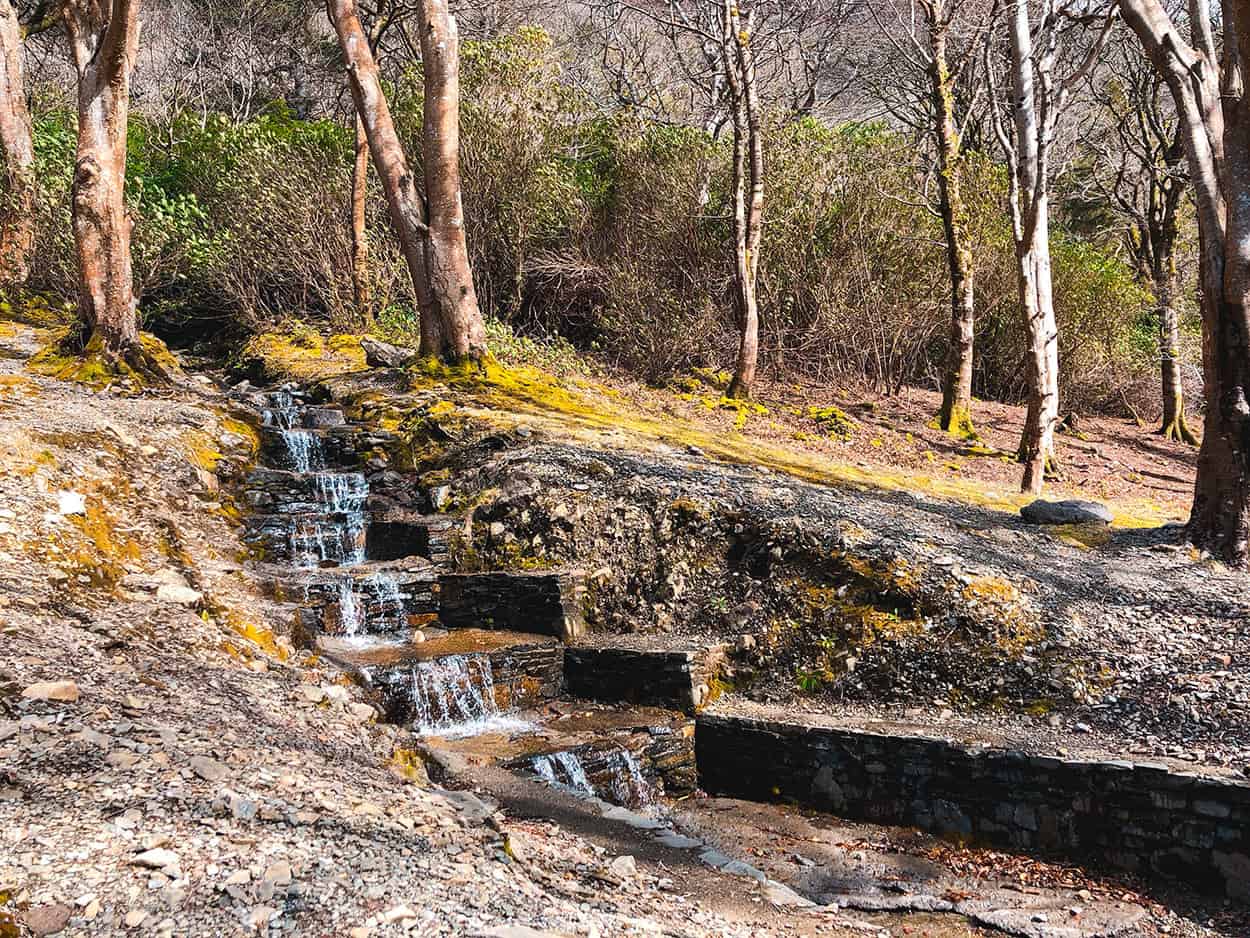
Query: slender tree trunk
1031	230
1037	442
104	54
407	210
1174	426
463	334
360	240
748	212
17	214
956	413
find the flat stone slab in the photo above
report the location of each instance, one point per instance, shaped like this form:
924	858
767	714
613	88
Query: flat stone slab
1069	511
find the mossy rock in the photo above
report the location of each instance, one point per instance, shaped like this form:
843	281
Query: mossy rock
298	353
97	368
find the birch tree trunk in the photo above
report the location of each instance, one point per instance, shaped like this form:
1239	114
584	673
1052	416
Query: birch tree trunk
104	38
956	413
406	208
462	334
748	210
1215	124
17	215
1031	230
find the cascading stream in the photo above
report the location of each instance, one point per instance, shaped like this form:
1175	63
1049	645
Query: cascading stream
454	696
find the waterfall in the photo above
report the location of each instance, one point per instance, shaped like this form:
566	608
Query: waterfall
391	612
544	768
342	492
304	449
351	613
372	605
576	774
455	696
563	768
629	785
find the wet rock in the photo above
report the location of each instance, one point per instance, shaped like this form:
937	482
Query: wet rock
1069	511
384	355
64	691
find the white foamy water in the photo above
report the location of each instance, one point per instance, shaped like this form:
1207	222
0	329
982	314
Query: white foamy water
454	697
629	785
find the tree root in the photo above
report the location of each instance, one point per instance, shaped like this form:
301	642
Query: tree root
1178	431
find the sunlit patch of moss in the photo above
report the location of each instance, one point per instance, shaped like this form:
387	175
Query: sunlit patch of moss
90	548
263	638
16	387
742	409
299	353
999	607
245	430
1084	536
200	450
408	765
834	422
98	369
34	309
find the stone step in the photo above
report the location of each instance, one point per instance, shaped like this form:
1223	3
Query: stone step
661	743
547	603
364	536
526	669
283	491
386	598
683	678
343	446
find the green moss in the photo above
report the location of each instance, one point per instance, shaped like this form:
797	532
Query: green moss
97	369
299	353
834	422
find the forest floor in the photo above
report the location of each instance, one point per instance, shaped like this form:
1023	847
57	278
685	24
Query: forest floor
170	765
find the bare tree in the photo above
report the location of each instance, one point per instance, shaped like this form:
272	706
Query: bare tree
462	334
932	107
1038	98
451	323
1139	172
17	219
1213	111
104	38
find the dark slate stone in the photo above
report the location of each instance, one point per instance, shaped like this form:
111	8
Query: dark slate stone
1071	511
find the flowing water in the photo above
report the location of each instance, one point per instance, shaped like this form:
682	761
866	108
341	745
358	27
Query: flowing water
454	697
629	785
374	605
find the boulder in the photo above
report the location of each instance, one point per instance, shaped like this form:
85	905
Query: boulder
1071	511
384	355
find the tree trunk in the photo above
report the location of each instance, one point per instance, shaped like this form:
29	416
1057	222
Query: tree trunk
1215	123
956	413
361	292
407	211
1037	442
748	213
1220	518
17	215
1031	230
1174	426
104	53
462	334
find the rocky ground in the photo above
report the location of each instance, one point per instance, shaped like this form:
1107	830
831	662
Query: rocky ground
895	604
169	764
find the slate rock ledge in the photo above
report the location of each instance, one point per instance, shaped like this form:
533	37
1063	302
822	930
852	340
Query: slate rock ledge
1143	818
